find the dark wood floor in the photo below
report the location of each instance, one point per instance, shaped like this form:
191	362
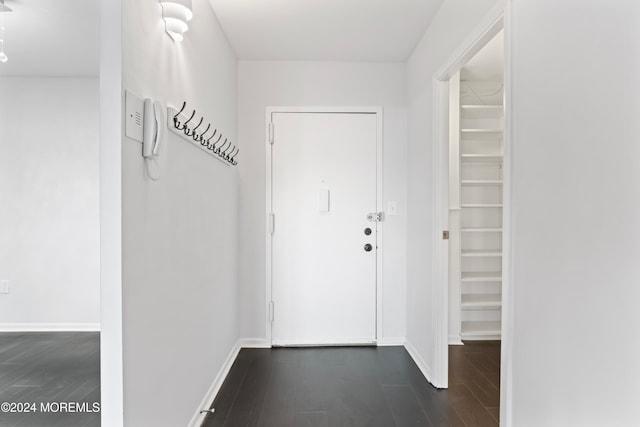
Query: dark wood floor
50	367
357	386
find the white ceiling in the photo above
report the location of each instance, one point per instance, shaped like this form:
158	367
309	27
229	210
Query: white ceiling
51	38
61	37
325	30
488	63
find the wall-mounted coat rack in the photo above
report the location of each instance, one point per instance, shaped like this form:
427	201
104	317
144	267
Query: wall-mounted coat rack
207	138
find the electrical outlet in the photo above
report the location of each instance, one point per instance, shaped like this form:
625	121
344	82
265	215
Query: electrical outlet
4	286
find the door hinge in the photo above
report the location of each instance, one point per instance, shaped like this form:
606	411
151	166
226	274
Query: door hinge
375	216
445	235
271	133
271	311
272	223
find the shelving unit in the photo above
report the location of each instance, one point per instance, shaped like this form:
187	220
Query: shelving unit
480	179
481	253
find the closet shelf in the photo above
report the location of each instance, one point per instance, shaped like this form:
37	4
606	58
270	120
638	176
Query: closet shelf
485	158
472	329
481	182
481	205
482	276
481	301
481	253
481	130
480	156
481	230
472	108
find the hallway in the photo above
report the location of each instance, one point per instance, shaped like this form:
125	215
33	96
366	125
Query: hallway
357	386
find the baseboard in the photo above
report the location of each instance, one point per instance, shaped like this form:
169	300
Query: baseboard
422	365
49	327
262	343
207	401
391	341
455	340
253	343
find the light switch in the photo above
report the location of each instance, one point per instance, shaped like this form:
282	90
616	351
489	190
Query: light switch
4	286
323	200
392	208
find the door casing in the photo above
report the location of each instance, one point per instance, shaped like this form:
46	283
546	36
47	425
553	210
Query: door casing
268	180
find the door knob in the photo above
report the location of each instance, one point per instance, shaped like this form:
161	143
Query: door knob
368	247
367	231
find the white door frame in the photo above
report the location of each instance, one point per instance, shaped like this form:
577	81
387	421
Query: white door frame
492	23
269	201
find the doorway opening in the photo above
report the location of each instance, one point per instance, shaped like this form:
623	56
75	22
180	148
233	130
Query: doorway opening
472	200
50	325
475	205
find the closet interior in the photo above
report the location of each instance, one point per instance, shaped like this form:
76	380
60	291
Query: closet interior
476	196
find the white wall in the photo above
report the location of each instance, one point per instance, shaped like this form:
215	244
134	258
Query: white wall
263	84
111	119
178	234
576	212
455	20
49	238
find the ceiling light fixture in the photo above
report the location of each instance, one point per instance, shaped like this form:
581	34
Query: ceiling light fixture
3	56
176	14
4	8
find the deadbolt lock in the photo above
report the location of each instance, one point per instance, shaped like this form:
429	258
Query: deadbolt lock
375	216
445	235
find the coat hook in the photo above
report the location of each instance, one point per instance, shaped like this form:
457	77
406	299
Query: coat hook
201	137
191	132
176	121
210	138
213	146
233	158
229	156
219	149
184	125
224	155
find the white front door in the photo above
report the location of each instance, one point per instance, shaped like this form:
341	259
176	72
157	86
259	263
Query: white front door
323	246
